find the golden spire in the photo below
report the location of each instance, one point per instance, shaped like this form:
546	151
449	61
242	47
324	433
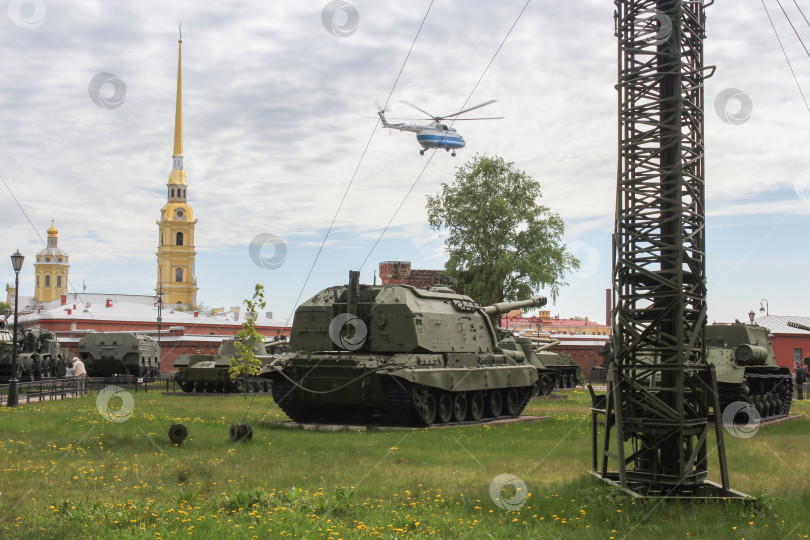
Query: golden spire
178	115
52	231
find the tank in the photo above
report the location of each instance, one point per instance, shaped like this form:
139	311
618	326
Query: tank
747	370
554	370
416	356
209	372
106	354
39	355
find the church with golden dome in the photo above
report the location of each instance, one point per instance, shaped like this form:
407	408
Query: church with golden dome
51	269
175	256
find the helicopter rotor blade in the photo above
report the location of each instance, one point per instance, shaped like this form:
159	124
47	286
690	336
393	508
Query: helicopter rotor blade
488	118
490	102
432	117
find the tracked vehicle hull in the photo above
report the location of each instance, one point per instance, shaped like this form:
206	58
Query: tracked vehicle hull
209	373
353	387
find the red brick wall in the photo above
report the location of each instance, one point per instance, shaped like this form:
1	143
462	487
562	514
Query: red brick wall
586	356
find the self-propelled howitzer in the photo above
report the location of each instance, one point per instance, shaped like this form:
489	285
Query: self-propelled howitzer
417	356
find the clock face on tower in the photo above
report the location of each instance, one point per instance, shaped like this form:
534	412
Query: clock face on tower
179	214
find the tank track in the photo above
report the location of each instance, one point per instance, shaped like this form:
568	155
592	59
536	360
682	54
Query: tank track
214	387
402	408
780	390
286	397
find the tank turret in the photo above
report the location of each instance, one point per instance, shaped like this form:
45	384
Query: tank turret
418	356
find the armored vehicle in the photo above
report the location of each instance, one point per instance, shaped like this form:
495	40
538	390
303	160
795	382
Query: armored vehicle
119	353
747	370
209	372
38	354
418	356
554	370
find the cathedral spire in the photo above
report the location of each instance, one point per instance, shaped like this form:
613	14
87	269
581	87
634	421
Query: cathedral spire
178	115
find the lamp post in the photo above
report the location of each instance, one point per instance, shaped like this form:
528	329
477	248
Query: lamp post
751	316
765	309
160	320
16	262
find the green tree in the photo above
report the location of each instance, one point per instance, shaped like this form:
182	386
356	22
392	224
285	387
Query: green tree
4	306
503	244
247	340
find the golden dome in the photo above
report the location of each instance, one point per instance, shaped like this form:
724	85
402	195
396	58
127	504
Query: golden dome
52	231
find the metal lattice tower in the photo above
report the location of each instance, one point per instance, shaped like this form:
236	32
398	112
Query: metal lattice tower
660	390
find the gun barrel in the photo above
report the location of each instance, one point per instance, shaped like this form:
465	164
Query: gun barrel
799	326
504	307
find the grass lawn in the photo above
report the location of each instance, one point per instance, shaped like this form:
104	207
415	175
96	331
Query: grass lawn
68	472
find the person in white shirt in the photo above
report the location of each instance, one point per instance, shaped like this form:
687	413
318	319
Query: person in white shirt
80	373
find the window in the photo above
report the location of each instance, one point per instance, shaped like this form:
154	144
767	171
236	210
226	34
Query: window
179	241
178	274
47	280
58	281
37	280
161	239
797	355
172	192
47	259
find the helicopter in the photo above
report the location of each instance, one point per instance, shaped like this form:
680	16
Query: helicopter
436	134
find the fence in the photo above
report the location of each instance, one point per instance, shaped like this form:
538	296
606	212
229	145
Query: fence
51	389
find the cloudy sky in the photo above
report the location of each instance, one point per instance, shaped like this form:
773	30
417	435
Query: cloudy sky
279	106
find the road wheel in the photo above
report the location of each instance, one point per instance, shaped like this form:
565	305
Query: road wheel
494	403
445	408
460	407
425	405
476	411
241	385
546	383
512	402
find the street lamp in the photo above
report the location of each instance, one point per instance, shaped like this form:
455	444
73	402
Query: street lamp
13	397
765	309
160	320
751	316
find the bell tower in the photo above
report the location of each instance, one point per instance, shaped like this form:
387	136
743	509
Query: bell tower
51	269
176	276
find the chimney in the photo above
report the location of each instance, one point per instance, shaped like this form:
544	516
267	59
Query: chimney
109	302
196	313
69	311
87	305
64	300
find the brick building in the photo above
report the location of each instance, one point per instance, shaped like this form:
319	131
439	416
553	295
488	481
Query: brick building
400	273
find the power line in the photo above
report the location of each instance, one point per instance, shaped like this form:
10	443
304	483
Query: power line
362	156
786	56
451	123
793	27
